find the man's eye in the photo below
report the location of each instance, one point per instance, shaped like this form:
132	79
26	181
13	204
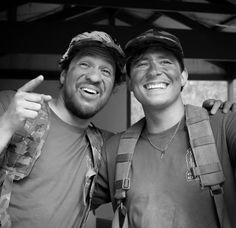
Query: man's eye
141	64
106	72
84	64
166	61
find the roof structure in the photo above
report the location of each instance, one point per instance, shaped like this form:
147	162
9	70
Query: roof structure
34	34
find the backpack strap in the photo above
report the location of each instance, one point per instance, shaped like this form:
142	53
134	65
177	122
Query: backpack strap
124	157
20	156
208	167
95	139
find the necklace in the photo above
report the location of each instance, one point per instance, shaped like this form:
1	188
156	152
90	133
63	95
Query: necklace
168	143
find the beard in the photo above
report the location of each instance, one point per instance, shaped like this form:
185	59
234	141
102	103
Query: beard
79	110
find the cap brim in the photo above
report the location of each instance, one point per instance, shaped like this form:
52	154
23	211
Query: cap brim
153	42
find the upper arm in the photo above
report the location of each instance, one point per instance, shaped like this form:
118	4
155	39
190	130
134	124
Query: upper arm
230	128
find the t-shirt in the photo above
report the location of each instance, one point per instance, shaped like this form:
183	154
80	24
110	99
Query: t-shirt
163	192
52	195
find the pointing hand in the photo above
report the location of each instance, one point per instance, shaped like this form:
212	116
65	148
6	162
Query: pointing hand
25	104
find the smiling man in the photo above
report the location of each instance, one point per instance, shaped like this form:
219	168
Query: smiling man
164	171
50	151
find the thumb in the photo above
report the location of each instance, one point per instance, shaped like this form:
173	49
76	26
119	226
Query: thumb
46	97
31	85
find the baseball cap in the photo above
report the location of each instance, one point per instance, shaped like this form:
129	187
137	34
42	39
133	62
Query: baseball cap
96	39
151	38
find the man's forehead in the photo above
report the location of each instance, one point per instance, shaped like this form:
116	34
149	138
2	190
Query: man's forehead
96	52
95	57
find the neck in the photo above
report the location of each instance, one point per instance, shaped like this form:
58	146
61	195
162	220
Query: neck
58	106
158	120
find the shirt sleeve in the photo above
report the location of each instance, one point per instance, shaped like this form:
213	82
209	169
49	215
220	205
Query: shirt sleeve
104	187
101	190
230	129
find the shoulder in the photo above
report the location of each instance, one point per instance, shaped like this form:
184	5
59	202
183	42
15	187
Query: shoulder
133	132
101	132
114	140
223	122
223	118
106	134
111	146
217	119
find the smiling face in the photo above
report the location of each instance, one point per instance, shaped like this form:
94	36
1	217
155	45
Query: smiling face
156	78
88	83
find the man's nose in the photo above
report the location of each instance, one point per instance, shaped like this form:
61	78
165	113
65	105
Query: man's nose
155	69
94	75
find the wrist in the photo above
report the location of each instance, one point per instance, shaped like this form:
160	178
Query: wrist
6	127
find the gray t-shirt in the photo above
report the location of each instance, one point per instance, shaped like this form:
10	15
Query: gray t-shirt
163	193
52	195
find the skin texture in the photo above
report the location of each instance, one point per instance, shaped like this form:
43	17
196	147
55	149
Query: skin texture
156	77
24	105
156	80
87	85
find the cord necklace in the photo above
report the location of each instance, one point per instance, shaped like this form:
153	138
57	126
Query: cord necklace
168	143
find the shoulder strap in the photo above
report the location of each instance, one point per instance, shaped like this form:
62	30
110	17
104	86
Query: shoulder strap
208	167
95	139
20	156
124	157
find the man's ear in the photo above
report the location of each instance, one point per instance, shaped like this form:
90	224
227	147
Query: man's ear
62	77
184	77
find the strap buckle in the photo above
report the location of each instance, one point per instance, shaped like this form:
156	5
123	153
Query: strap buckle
216	190
126	183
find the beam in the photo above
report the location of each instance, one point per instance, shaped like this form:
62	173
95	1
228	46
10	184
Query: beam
159	5
65	13
186	20
29	38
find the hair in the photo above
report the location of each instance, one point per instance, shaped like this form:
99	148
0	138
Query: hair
83	50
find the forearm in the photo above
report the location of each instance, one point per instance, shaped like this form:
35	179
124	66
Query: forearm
6	132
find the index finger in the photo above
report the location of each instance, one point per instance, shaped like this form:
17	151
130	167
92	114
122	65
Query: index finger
216	107
31	85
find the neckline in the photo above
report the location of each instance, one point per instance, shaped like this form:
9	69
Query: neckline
167	131
67	125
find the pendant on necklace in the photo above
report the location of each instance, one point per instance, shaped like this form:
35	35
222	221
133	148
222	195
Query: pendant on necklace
167	145
162	154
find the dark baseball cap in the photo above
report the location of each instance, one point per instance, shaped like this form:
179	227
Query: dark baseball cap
154	38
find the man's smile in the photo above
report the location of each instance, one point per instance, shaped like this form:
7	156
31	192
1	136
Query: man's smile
89	90
156	85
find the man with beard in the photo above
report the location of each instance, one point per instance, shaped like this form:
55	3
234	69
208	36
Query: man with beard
54	160
49	165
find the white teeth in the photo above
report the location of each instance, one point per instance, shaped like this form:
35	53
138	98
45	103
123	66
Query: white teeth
88	90
156	86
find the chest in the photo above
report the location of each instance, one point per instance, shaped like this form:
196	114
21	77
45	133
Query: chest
162	189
